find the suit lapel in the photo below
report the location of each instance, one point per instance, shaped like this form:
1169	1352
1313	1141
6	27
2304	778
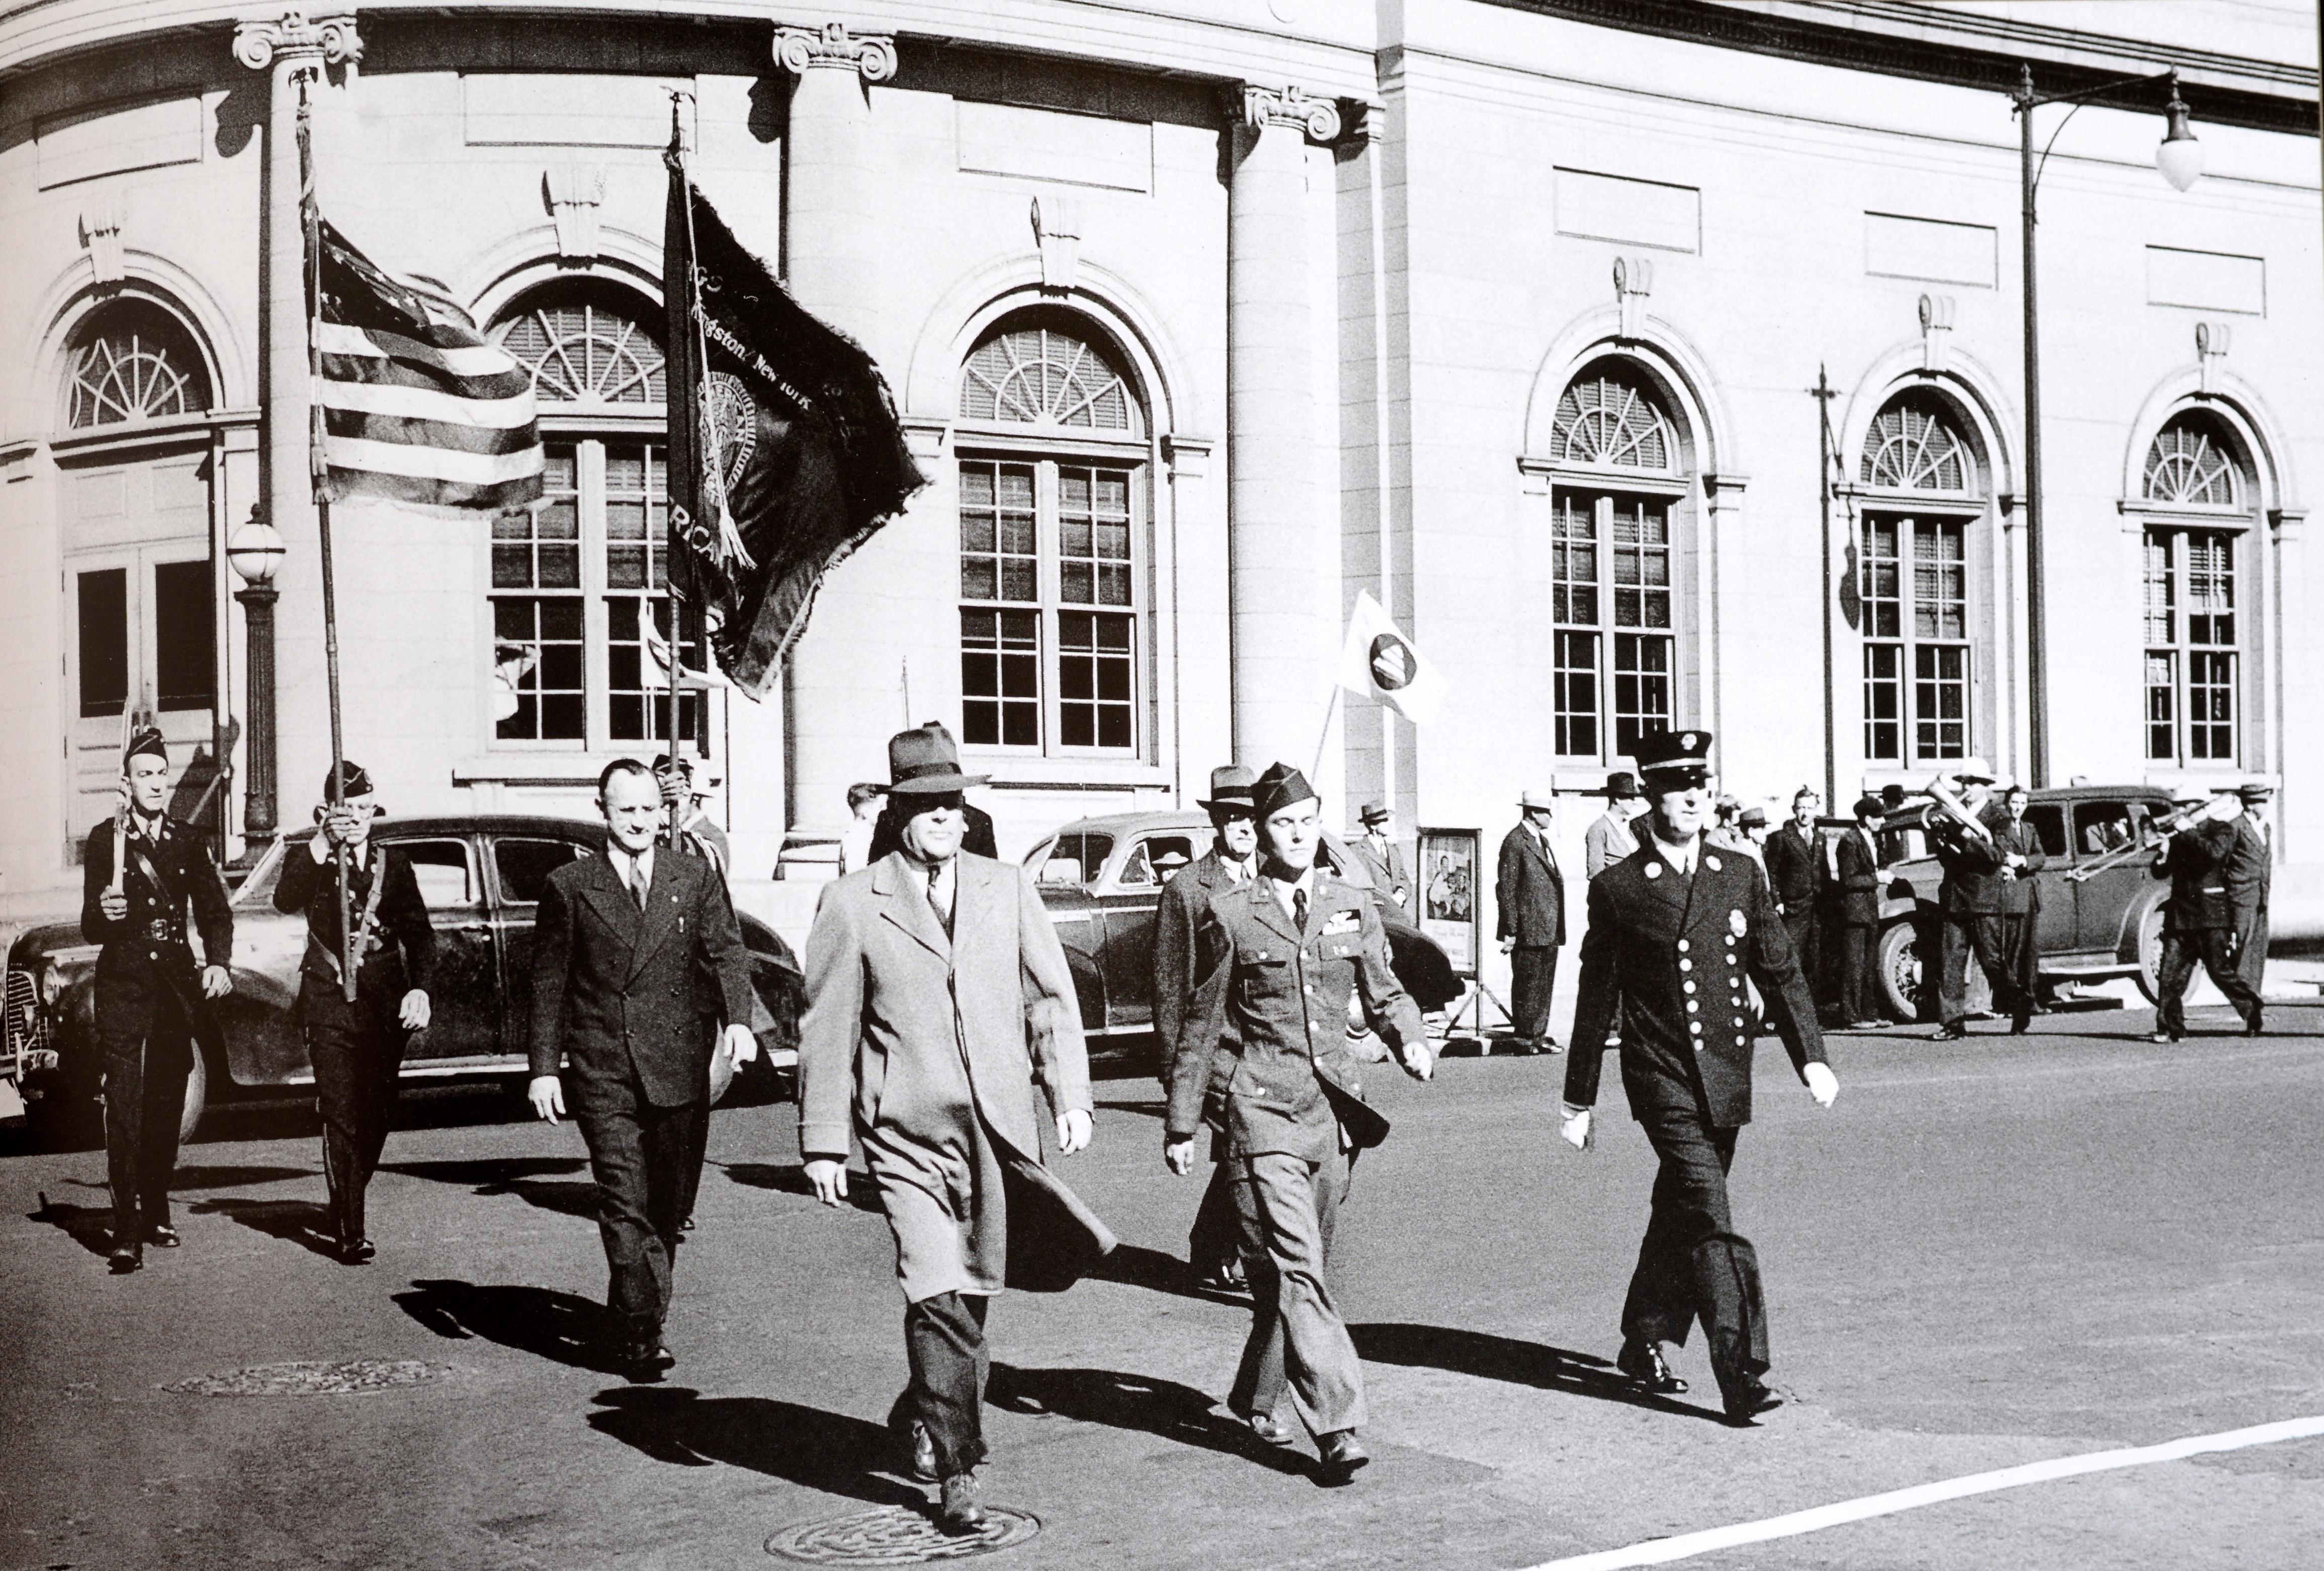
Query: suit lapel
1269	910
611	897
1540	851
904	902
663	900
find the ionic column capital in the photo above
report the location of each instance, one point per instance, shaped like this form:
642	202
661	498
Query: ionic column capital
1292	109
871	55
260	41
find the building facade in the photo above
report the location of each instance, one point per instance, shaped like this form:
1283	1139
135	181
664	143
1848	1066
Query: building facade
1654	364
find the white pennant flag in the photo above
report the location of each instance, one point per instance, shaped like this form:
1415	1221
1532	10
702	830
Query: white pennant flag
1380	661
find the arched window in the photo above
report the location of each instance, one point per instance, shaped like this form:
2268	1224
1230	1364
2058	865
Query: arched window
1914	583
1053	576
2193	635
132	360
581	608
1614	640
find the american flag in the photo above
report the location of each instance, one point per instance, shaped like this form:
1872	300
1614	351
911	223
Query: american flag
414	405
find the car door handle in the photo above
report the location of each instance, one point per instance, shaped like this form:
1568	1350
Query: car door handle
473	927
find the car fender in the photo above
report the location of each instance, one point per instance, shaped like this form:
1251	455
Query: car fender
2134	917
1089	989
259	1025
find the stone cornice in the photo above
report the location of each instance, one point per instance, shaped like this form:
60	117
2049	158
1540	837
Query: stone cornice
800	50
293	35
1290	108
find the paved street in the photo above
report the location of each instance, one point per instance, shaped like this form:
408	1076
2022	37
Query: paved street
1987	1255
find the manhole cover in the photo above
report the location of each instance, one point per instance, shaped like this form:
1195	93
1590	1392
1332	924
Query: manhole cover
344	1377
894	1536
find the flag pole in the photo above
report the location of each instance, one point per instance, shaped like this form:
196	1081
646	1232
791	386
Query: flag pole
1324	735
312	222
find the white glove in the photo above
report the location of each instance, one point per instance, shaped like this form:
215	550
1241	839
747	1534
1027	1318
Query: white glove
1574	1126
1823	1084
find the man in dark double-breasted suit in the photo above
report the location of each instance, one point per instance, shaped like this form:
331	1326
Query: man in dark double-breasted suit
142	873
1856	915
2018	919
1674	930
636	960
1213	1246
1264	1060
1795	858
1529	899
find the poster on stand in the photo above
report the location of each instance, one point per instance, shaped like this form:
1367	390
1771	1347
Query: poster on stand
1449	896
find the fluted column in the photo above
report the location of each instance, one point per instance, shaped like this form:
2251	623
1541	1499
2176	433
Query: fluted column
294	49
1279	647
840	682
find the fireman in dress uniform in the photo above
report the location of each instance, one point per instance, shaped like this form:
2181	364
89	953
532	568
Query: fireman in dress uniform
1676	929
357	1045
1263	1059
141	871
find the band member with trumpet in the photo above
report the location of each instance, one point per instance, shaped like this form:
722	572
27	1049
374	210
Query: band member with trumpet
1669	926
142	872
2198	922
1971	903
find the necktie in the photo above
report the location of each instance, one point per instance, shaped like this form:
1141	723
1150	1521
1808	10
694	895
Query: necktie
638	882
1299	909
936	904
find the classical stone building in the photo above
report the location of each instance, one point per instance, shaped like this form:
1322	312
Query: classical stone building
1203	316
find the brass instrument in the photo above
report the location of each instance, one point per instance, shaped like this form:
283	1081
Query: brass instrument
2184	819
1957	810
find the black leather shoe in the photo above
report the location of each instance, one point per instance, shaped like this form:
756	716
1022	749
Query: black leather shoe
1949	1034
1270	1428
1748	1400
924	1452
2170	1037
126	1257
644	1360
2019	1025
957	1508
1643	1362
1342	1455
358	1252
1224	1279
161	1235
2255	1028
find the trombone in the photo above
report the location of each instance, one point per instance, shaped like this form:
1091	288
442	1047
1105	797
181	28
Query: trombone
2184	819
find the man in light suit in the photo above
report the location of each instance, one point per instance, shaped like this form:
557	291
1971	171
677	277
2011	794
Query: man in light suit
1613	836
1530	893
1214	1246
636	959
2251	869
1376	848
937	998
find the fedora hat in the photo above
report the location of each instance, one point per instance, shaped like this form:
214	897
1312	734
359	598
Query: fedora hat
1972	769
1621	786
1230	786
923	762
1373	813
1537	801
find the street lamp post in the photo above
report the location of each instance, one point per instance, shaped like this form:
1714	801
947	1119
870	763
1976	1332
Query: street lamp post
2180	159
254	551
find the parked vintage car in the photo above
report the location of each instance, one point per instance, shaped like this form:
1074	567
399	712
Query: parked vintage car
481	878
2103	927
1102	879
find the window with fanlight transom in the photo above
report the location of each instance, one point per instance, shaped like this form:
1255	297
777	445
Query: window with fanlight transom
133	361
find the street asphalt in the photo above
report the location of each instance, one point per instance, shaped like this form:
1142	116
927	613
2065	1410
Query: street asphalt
1988	1254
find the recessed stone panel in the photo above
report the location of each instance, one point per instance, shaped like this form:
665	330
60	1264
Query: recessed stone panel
541	110
2208	280
118	138
1935	250
1598	206
1048	144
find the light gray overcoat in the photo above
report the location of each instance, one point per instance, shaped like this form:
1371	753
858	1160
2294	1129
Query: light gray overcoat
928	1049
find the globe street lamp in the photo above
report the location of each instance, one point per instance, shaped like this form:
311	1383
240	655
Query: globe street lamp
2180	159
254	551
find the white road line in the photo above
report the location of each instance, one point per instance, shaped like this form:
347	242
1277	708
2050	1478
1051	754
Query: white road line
1662	1551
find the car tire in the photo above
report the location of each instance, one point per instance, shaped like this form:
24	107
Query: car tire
1901	970
2150	952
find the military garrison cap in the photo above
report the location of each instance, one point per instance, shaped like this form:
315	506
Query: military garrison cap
1278	789
148	740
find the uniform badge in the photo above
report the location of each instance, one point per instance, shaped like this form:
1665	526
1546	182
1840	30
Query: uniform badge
1654	869
1735	921
1711	862
1343	921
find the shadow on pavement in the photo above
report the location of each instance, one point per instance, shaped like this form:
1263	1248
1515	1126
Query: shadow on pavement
217	1178
300	1222
1150	1108
790	1178
525	1177
90	1227
561	1327
825	1451
1507	1359
1140	1402
1135	1266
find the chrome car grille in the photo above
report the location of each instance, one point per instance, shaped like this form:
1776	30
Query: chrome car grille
27	1024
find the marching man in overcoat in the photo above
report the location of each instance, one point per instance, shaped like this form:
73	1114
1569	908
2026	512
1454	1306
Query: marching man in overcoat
142	872
356	1047
1264	1060
938	999
1676	929
1214	1246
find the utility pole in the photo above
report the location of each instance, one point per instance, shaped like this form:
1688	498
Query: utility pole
1823	394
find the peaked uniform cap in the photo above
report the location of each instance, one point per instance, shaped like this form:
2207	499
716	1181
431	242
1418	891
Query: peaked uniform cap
1670	752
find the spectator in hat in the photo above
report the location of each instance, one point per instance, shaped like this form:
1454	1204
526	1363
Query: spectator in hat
1793	856
1375	849
864	800
2250	870
357	1035
1856	910
938	998
1610	837
1529	895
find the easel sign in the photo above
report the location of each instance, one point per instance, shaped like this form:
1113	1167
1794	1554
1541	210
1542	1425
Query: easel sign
1449	895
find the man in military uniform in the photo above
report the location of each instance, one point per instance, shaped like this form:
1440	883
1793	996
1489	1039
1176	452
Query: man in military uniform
1213	1247
690	826
356	1043
1670	926
2251	869
1969	902
1264	1060
2199	923
141	872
